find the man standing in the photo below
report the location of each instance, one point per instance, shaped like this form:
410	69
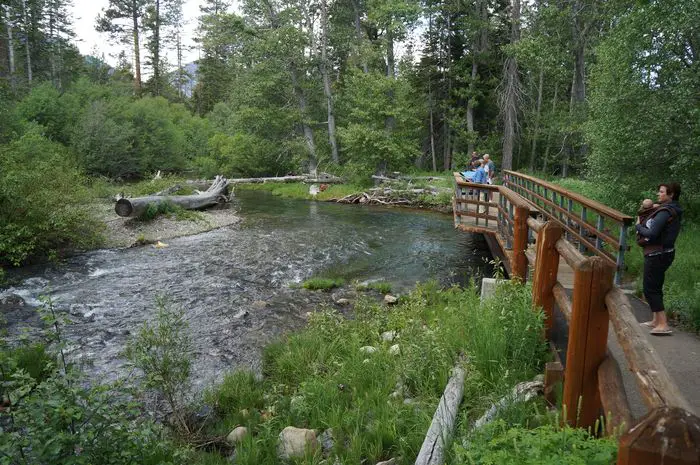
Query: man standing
474	159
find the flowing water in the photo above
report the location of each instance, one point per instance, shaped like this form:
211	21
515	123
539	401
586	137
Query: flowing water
236	284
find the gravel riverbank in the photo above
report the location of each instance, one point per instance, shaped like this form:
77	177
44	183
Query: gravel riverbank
128	232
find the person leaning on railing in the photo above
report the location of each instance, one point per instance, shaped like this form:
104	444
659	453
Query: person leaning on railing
660	231
480	177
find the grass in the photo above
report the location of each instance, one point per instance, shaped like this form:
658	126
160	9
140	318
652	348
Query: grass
322	284
379	405
299	190
169	209
336	191
382	287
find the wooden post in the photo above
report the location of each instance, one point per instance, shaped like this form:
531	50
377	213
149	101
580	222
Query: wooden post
546	271
588	337
667	435
519	265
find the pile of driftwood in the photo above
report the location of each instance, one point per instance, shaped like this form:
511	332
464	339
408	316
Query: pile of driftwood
388	196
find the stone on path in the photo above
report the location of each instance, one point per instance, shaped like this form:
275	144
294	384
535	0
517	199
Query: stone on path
294	442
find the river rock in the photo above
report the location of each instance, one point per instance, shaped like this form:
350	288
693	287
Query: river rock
388	336
12	299
327	441
259	304
237	435
368	349
294	442
395	349
241	314
390	299
343	302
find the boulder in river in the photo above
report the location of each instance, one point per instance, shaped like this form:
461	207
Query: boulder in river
295	442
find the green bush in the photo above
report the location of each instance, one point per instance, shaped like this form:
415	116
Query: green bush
499	444
43	204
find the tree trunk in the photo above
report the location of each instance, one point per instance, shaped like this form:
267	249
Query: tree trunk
138	206
10	48
536	130
358	34
137	51
479	46
511	93
549	133
26	41
327	82
156	51
432	131
308	132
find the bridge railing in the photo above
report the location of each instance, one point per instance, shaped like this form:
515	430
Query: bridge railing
591	226
473	205
670	432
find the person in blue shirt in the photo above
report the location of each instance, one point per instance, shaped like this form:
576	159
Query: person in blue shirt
480	176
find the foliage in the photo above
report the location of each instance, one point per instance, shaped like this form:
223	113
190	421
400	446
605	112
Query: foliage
58	418
369	100
42	200
499	444
322	284
161	350
644	100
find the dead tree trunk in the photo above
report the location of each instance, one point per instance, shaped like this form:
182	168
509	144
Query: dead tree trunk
136	207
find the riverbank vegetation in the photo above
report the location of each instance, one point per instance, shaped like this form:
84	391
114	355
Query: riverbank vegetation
344	96
368	384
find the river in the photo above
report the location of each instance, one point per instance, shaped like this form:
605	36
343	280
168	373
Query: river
237	284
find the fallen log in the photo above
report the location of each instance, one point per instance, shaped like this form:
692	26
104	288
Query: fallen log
324	178
217	193
437	440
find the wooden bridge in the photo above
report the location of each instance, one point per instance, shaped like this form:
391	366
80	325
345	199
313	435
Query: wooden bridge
572	248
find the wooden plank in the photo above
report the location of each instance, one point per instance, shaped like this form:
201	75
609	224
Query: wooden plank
534	224
611	212
655	383
563	301
616	407
587	346
520	243
573	257
667	435
546	271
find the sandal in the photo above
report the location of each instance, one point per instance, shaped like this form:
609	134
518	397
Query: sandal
661	332
648	324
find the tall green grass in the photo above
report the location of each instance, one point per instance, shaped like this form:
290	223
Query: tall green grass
379	405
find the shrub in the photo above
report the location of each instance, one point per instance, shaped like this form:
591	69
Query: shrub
42	200
498	444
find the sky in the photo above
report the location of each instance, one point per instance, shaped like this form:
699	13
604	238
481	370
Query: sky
88	40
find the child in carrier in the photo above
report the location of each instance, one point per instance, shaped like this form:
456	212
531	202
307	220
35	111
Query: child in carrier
646	217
